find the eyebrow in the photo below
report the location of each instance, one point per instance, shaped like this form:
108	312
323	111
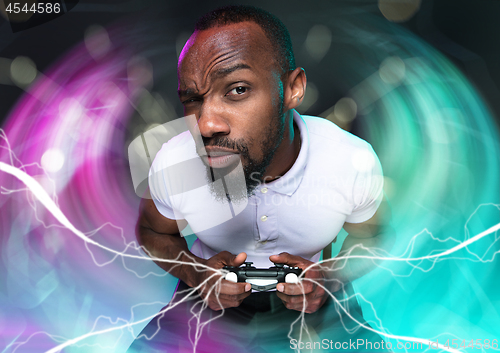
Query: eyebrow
219	73
227	70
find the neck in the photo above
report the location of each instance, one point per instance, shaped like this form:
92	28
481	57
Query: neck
287	152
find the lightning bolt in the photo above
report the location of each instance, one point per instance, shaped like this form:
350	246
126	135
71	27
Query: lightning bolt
39	192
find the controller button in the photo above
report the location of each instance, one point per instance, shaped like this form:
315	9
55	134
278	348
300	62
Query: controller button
291	278
232	277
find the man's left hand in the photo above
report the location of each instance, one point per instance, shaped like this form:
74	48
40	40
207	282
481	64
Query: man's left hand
306	296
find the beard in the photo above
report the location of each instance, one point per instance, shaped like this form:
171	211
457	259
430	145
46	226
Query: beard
237	183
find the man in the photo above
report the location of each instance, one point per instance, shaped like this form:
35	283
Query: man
303	182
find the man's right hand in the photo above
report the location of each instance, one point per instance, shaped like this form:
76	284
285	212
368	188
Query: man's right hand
161	237
231	294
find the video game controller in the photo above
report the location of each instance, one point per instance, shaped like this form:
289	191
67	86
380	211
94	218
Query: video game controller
263	279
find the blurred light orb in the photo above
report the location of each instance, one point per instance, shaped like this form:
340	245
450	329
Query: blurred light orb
399	10
52	160
140	74
318	41
345	110
22	71
392	70
97	41
363	160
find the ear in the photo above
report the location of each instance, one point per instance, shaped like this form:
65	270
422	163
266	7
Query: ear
295	88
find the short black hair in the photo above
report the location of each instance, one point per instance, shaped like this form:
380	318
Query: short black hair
274	29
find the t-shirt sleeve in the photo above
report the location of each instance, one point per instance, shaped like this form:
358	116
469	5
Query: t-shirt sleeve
368	186
158	187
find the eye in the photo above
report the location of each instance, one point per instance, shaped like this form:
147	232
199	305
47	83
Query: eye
190	100
238	91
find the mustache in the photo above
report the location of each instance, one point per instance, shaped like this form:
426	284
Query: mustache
225	142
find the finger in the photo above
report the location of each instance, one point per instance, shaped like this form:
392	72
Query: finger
230	293
219	303
213	298
287	259
306	304
295	302
284	298
304	287
225	258
239	259
307	309
291	299
233	298
231	288
314	297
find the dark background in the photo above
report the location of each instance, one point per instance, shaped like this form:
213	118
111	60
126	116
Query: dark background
466	31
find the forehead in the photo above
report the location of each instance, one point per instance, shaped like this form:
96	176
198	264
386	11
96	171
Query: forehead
211	49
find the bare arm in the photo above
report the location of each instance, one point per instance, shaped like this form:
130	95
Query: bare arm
309	297
161	237
373	233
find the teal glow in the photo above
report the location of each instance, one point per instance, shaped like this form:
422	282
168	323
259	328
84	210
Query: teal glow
437	142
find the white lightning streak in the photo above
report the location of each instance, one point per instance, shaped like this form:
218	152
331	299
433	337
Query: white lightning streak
406	259
45	199
51	206
147	319
388	335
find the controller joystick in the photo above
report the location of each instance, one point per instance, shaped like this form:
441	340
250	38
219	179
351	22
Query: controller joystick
291	278
232	277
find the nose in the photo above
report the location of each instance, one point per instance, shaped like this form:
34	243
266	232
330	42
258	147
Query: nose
212	120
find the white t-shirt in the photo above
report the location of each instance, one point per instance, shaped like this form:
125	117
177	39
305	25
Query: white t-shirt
336	178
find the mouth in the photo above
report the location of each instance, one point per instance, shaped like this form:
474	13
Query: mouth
220	158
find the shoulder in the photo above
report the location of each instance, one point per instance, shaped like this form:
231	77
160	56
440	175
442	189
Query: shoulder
323	134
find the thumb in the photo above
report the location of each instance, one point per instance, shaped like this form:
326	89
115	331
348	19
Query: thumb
285	258
239	259
228	259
